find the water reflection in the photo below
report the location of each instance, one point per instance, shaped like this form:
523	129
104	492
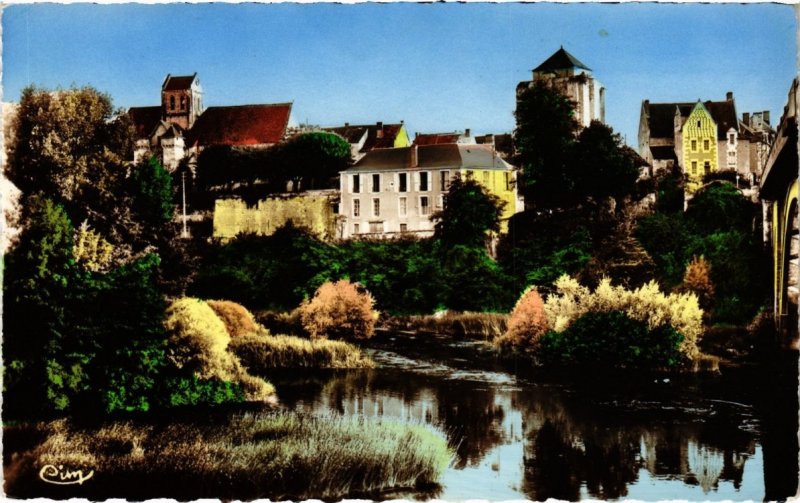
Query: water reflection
523	440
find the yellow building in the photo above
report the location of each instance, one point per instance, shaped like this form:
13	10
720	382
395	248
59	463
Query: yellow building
699	142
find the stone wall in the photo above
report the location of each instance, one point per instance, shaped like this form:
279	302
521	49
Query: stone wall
313	210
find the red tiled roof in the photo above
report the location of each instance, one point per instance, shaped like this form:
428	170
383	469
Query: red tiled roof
436	138
178	82
240	125
144	119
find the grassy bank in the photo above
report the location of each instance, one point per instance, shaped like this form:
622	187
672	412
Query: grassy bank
480	326
261	352
276	456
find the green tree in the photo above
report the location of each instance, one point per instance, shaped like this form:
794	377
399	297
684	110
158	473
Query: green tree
315	157
37	279
151	191
544	139
601	166
70	146
469	212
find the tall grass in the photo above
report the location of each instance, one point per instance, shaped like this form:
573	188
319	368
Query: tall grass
261	352
277	456
481	326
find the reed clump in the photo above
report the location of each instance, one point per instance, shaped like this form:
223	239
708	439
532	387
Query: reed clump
261	352
278	456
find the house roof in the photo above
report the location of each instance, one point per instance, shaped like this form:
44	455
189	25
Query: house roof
379	135
145	120
240	125
436	138
661	117
560	60
503	143
456	156
176	83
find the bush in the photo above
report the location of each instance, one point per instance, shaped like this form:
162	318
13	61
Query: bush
470	325
646	304
238	320
198	343
526	324
613	339
339	310
261	352
697	280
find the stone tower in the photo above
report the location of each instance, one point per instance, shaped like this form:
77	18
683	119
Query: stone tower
568	75
181	100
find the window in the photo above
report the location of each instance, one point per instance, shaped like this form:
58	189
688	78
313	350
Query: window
403	206
707	167
403	227
376	183
356	184
183	102
355	229
376	207
486	178
402	182
376	227
732	139
444	180
423	181
694	167
705	145
698	123
440	201
356	208
172	102
507	178
470	173
694	145
424	206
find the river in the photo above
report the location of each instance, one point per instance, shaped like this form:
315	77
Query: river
522	436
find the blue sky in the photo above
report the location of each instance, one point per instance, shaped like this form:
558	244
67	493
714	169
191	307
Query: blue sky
438	67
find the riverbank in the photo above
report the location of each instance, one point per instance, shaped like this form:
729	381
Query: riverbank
253	455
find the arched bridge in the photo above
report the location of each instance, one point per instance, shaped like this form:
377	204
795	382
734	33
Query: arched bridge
779	195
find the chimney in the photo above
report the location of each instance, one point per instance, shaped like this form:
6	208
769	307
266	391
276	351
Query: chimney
766	116
746	118
412	156
346	124
729	96
467	133
380	125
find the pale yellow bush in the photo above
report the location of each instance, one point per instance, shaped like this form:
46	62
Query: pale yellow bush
198	342
339	311
91	250
646	304
526	323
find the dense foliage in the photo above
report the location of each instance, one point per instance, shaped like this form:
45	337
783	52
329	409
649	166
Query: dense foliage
612	339
720	225
405	276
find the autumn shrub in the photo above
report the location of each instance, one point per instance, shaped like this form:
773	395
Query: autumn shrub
646	304
697	280
238	320
612	339
339	310
526	324
261	352
198	342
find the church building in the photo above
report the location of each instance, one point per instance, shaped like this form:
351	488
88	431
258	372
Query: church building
180	127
